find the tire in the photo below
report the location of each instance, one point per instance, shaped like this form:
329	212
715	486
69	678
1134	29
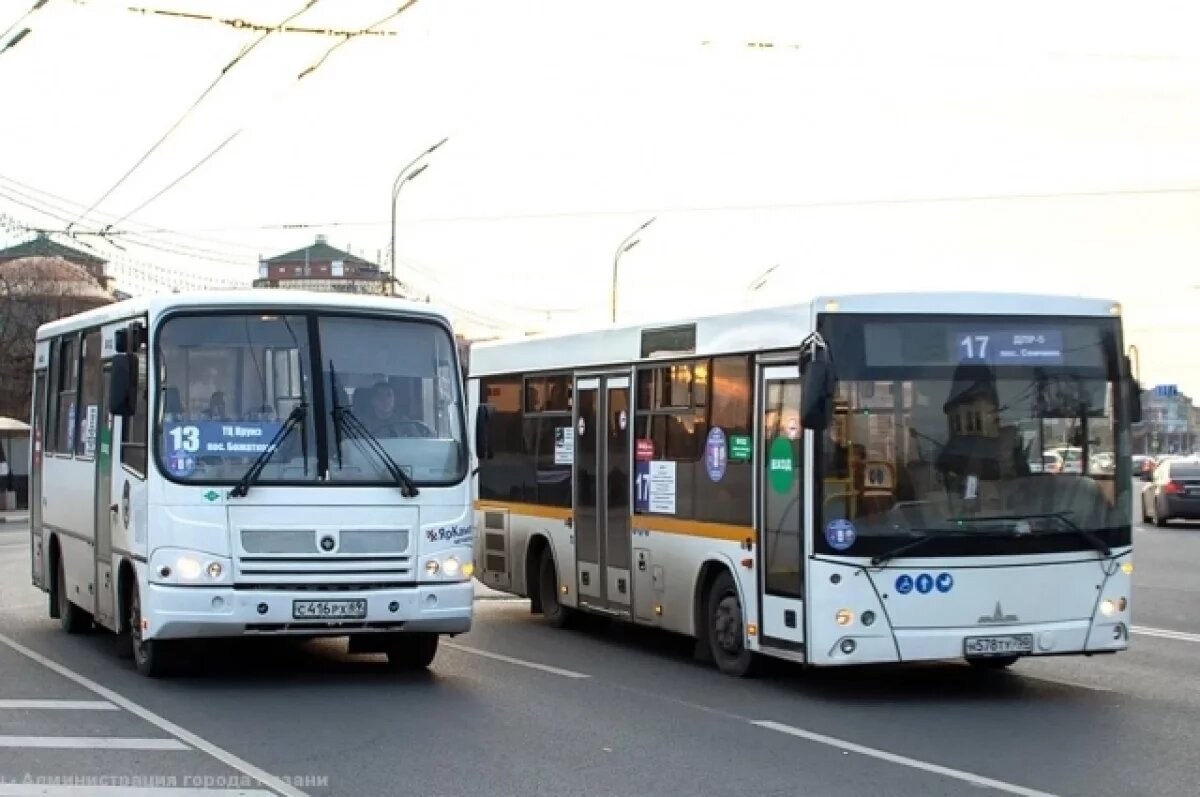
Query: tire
1159	521
150	656
410	652
71	618
1145	514
726	629
556	614
993	663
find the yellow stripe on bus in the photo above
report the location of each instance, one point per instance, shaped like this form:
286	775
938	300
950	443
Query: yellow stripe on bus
689	528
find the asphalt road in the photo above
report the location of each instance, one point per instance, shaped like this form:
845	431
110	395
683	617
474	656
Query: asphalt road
517	708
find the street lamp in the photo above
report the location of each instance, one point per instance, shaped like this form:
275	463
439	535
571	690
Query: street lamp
403	177
761	279
630	241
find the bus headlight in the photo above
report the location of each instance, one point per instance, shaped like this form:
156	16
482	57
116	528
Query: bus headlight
432	567
450	566
175	566
188	568
1107	607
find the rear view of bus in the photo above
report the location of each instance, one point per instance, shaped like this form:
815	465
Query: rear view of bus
938	531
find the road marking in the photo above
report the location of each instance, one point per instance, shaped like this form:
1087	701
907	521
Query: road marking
65	705
91	743
186	736
533	665
1165	633
904	761
31	790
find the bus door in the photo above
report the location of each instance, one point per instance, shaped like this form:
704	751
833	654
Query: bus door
602	492
36	549
105	510
781	507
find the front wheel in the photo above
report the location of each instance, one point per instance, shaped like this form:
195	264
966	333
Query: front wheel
555	613
150	656
726	632
414	651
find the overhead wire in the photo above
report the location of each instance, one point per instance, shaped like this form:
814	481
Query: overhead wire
38	4
314	67
244	24
195	104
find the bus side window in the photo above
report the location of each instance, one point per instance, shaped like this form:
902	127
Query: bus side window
134	430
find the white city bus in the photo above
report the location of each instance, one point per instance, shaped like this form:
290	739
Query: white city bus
253	462
837	482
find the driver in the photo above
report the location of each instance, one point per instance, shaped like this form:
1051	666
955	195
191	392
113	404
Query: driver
382	415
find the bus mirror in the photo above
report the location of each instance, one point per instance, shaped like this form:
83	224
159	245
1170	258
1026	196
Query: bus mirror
122	385
1135	401
483	449
816	399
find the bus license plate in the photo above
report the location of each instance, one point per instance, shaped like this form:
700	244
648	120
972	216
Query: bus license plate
998	645
329	610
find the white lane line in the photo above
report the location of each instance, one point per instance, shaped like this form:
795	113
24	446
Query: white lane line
32	790
91	743
904	761
533	665
65	705
184	735
1165	633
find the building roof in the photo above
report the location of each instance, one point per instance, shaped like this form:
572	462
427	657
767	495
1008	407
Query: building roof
45	277
44	246
319	251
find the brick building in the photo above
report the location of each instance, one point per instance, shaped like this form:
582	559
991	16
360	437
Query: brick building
321	267
43	246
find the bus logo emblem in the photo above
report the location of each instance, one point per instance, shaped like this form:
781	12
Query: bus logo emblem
998	616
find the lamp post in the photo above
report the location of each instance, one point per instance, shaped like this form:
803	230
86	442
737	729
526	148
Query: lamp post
630	241
403	177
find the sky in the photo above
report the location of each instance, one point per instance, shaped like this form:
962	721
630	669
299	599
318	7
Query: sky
1017	146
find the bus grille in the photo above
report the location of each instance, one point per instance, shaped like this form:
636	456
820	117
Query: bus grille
331	571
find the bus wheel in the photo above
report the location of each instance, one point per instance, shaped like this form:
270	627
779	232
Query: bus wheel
993	663
72	619
414	651
726	634
555	613
149	655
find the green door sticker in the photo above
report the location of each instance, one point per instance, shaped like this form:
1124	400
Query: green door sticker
781	465
739	448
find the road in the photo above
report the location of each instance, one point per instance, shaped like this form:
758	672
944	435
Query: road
517	708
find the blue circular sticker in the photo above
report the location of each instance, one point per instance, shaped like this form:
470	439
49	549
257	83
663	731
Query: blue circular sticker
181	463
904	584
716	454
945	582
840	534
924	583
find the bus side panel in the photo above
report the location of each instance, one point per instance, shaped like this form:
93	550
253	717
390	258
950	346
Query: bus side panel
37	550
522	530
69	497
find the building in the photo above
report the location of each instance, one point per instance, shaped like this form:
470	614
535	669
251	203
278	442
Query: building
321	267
43	246
1168	422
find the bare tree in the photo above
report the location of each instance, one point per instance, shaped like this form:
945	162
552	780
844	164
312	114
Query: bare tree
35	291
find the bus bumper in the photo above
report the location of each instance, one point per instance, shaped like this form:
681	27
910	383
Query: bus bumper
175	612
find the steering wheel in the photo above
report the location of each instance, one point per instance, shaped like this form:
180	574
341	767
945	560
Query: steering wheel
420	428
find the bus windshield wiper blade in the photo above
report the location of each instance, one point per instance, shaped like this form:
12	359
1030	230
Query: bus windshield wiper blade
343	417
295	418
1091	537
930	534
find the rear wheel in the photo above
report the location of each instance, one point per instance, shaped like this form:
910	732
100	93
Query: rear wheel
414	651
555	613
993	663
71	618
726	632
150	656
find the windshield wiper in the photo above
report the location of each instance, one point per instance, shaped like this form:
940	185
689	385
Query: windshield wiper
295	418
1091	537
930	534
345	420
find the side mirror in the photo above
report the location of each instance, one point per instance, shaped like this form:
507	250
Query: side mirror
816	400
122	385
483	440
1135	401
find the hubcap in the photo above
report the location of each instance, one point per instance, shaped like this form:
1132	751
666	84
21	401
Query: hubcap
727	624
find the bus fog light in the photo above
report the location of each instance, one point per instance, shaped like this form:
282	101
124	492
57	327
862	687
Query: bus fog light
1107	607
1119	632
214	570
450	567
262	608
188	567
218	603
844	617
848	646
868	617
432	567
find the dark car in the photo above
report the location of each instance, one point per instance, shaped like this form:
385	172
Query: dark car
1174	494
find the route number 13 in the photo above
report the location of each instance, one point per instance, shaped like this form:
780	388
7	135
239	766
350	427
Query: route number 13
186	438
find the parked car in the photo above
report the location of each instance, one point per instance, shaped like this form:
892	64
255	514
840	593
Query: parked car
1174	494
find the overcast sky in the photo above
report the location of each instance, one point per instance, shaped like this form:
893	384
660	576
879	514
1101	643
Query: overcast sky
1023	146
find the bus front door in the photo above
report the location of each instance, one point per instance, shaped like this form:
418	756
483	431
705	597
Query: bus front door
602	494
781	507
37	553
106	510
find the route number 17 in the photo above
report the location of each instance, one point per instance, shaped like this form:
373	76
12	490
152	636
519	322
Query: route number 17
974	346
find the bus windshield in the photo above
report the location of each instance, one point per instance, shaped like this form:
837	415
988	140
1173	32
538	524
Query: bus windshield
990	436
229	381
